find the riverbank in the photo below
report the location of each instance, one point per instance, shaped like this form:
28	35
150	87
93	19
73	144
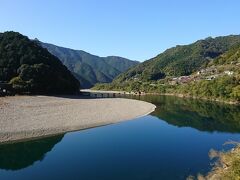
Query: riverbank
26	117
164	94
196	97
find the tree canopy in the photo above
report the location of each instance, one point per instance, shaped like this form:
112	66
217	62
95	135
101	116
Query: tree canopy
90	69
31	68
181	60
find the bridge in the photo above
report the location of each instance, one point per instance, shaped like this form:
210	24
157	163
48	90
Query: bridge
105	94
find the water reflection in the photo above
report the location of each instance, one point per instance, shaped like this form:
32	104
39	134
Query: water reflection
198	114
143	149
23	154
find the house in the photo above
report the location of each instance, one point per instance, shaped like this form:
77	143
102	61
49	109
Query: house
181	79
228	72
202	71
173	82
209	78
152	84
210	70
184	79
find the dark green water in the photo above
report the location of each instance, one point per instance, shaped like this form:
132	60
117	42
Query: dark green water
171	143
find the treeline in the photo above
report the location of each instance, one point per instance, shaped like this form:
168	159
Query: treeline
154	76
226	88
223	88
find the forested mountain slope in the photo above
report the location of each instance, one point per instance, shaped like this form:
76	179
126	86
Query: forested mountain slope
208	69
181	60
90	69
31	68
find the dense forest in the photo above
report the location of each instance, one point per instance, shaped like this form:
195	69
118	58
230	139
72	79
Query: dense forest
211	68
29	68
223	87
180	60
90	69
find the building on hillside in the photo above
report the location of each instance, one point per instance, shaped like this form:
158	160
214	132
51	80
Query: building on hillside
172	82
152	84
228	73
210	70
184	79
209	78
180	80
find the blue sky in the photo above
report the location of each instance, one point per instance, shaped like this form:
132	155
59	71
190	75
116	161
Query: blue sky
135	29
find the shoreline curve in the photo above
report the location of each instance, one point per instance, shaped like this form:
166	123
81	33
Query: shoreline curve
31	117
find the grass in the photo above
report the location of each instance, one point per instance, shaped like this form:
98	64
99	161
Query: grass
227	166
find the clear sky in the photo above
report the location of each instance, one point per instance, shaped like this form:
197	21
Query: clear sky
135	29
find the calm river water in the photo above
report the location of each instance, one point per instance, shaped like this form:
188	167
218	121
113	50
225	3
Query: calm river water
171	143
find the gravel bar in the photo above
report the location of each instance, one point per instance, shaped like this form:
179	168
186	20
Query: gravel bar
27	117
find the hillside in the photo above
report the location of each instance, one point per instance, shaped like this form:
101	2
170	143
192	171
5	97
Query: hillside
214	78
219	80
90	69
230	58
180	60
31	68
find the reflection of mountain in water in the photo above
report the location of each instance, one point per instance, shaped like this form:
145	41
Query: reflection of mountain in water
198	114
23	154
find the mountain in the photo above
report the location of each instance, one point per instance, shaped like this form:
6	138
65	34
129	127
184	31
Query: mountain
90	69
31	68
180	60
208	69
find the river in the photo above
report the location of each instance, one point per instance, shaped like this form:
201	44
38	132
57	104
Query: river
171	143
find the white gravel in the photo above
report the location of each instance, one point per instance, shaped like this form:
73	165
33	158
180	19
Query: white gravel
26	117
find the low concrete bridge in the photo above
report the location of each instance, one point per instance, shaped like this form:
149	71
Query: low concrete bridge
103	94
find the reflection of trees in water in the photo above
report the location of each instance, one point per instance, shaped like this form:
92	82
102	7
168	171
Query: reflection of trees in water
23	154
199	114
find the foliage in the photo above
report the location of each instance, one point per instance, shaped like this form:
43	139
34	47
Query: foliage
90	69
230	57
223	88
180	60
226	88
148	76
31	68
227	165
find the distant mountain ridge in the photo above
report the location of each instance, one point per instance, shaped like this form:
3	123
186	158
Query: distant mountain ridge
90	69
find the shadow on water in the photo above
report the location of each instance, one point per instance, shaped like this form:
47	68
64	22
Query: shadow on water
23	154
199	114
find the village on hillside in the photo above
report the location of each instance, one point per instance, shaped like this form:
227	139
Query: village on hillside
208	74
